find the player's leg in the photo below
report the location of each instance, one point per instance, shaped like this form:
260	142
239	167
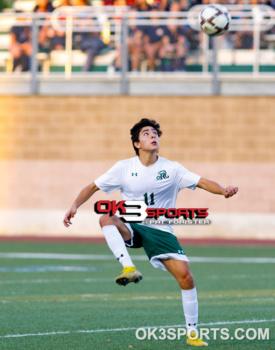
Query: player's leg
116	234
165	252
181	271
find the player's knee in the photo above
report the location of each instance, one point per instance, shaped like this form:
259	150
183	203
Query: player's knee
105	220
186	280
189	279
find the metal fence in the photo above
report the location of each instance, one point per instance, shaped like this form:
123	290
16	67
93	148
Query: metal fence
119	43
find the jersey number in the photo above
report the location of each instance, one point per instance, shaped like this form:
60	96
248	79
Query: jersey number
152	199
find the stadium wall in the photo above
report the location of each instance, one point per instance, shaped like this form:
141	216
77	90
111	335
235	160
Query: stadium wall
51	147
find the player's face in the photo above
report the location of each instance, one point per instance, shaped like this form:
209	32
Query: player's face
148	139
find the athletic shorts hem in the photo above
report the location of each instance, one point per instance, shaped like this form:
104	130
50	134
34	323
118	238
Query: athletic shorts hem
129	243
155	260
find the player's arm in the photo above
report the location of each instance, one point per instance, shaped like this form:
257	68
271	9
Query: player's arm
215	188
83	196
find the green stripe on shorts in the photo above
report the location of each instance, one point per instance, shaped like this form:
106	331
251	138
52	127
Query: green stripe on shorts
156	242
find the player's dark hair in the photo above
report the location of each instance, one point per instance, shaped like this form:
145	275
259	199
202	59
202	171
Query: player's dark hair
141	124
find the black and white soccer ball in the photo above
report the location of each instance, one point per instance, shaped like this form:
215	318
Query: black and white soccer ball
214	20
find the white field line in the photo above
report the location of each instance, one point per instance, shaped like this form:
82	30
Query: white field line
53	256
132	328
243	276
83	280
233	260
108	297
109	279
49	269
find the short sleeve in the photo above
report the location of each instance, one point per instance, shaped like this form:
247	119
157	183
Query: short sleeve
111	181
186	179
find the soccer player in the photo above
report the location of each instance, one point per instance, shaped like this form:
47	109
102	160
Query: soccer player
156	181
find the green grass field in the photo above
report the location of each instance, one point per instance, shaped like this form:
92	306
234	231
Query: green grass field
57	301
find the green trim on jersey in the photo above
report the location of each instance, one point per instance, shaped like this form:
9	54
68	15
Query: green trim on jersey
155	242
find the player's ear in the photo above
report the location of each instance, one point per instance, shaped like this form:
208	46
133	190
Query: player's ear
137	145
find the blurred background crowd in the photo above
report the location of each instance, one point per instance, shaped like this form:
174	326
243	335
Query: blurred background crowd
165	47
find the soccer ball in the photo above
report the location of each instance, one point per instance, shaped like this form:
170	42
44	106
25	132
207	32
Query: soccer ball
214	20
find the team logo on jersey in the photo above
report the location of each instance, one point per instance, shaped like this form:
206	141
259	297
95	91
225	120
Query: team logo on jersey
162	175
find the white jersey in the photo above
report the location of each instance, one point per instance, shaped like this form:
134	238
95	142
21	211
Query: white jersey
157	185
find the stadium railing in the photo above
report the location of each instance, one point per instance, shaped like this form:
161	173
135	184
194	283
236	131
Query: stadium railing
113	43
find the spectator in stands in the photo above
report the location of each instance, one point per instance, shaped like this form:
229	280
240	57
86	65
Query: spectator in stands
80	3
142	5
20	46
244	40
194	3
64	3
43	6
175	46
227	41
88	41
135	45
91	44
152	35
162	5
174	49
129	3
56	37
184	5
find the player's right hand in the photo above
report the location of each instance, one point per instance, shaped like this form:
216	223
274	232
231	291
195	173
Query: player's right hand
69	215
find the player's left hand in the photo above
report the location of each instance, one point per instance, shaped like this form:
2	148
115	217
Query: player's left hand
230	191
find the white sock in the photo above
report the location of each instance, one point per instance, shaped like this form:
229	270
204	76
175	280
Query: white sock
117	245
190	307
